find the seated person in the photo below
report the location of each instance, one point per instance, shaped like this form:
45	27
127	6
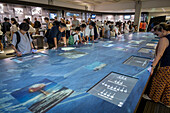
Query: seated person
75	35
89	32
56	33
82	32
21	41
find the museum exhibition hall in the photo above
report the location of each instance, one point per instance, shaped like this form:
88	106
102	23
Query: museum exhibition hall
84	56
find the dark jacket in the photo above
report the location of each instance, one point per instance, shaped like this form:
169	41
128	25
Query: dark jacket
37	24
6	27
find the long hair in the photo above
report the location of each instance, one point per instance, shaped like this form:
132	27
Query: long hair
161	27
15	22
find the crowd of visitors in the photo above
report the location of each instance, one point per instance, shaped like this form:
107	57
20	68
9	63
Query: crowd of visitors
19	37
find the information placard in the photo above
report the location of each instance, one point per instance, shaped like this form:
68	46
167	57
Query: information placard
73	54
114	88
147	50
137	61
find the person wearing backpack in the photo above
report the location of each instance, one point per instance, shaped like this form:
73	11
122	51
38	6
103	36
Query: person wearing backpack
74	38
21	41
82	32
89	32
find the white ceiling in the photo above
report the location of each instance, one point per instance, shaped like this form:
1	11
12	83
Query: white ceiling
93	2
164	9
114	6
121	5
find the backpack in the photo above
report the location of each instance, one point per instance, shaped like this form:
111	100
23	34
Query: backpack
71	39
19	38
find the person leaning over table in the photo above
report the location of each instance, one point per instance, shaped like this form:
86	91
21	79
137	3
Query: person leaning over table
89	32
25	44
56	33
160	84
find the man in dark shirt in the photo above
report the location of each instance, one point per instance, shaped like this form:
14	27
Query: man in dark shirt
56	33
56	22
6	29
37	26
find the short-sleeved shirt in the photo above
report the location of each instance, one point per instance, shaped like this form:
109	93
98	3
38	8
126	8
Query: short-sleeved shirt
1	33
76	23
14	28
116	30
31	29
89	32
76	37
68	26
82	33
106	28
126	29
24	46
54	32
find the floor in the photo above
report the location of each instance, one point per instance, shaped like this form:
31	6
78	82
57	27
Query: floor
148	106
6	53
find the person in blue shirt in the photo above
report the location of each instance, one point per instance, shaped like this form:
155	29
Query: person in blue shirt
56	33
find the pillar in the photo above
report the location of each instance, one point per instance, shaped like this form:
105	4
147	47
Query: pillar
138	6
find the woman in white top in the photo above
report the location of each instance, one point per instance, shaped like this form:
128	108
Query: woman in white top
31	29
14	27
126	29
106	31
68	27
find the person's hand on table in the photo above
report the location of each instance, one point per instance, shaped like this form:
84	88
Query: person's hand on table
34	50
54	48
19	54
65	45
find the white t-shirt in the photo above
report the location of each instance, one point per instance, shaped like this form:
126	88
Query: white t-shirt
116	30
76	36
88	31
31	29
126	29
82	32
106	28
68	26
1	33
14	28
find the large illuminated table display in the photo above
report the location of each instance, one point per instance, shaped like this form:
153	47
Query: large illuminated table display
108	76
